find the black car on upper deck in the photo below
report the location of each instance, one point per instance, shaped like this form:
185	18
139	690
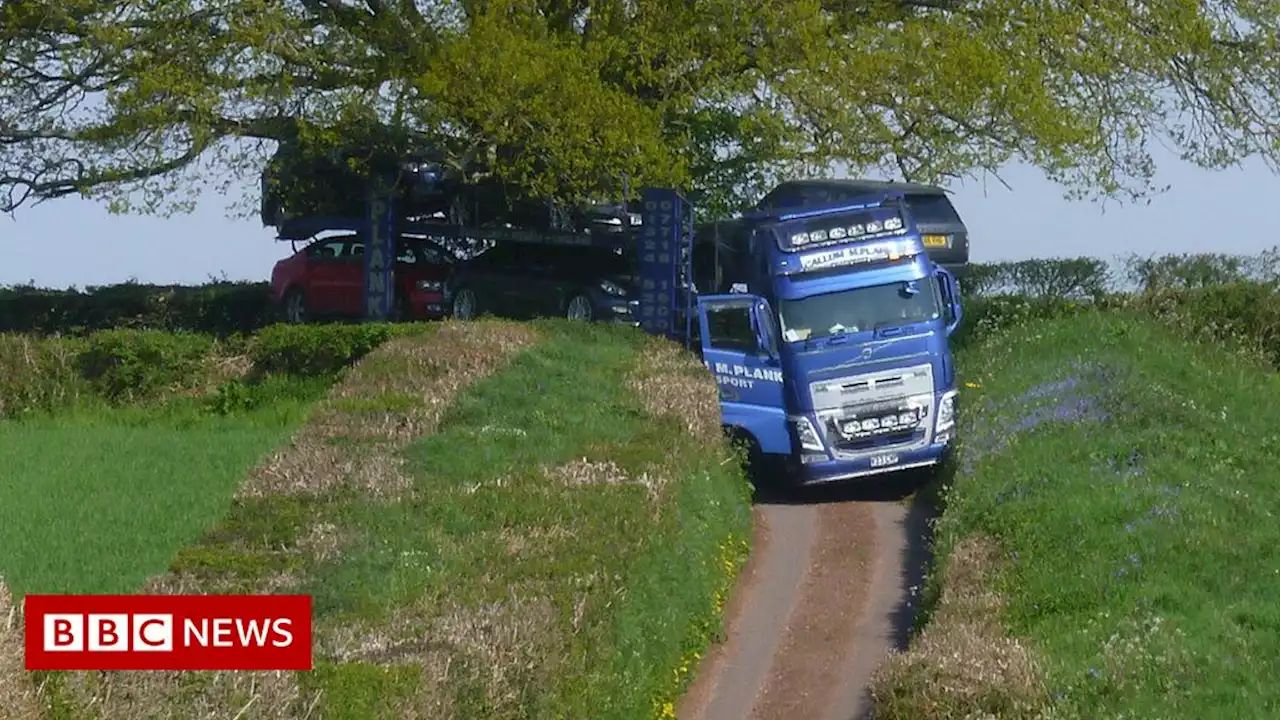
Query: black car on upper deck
946	238
298	182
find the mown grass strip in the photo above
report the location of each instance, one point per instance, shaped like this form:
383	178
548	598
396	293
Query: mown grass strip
562	553
1127	479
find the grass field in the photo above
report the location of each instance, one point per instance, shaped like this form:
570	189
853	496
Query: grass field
96	501
1107	548
495	520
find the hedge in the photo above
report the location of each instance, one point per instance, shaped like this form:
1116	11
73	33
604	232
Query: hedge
1231	299
224	309
135	343
218	308
141	366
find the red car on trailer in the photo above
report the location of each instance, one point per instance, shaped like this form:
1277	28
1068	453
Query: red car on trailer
325	279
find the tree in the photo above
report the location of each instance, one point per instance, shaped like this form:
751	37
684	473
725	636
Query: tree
133	100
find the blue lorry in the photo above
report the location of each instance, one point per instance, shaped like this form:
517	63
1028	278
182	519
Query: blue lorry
826	327
832	354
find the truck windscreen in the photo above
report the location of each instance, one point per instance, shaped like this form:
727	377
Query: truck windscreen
859	309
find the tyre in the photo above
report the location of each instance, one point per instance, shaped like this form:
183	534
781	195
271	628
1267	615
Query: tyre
294	306
580	307
464	304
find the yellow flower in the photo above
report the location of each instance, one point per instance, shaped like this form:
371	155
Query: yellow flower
972	385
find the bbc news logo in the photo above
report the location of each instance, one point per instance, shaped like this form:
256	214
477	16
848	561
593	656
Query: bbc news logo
168	632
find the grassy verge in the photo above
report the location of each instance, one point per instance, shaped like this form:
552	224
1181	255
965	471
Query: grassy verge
123	446
98	502
495	520
1104	548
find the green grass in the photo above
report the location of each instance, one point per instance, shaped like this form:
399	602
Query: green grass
96	501
594	591
491	587
1140	530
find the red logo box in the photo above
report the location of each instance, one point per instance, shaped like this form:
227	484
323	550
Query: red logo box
168	632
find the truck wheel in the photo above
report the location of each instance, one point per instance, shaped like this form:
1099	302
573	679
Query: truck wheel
580	308
294	306
464	304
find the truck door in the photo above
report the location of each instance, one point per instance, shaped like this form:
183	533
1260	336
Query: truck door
740	348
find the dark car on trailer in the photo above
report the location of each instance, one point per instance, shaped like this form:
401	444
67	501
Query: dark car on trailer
525	280
325	279
298	183
946	238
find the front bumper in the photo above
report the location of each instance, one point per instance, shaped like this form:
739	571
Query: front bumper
838	461
618	310
831	471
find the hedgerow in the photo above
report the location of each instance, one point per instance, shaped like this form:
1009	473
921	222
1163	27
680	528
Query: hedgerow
126	366
218	308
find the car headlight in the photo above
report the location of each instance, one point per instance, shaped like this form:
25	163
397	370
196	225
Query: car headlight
430	285
613	288
809	439
946	411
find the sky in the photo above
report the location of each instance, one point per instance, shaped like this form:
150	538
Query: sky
73	242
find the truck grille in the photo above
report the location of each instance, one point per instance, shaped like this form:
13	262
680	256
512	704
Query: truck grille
876	412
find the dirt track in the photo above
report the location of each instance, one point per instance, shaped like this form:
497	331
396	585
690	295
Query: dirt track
827	592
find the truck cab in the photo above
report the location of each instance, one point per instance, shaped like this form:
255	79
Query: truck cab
945	236
833	354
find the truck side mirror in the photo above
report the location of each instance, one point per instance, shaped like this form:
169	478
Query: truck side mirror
951	296
766	329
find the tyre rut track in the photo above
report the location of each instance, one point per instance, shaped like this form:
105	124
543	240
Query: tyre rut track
825	595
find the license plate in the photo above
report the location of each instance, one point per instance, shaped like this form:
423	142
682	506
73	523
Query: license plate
935	240
880	461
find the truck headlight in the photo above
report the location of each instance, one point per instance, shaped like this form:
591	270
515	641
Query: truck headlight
430	286
809	439
946	411
613	288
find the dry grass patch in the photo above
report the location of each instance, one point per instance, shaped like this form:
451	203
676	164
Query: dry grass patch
323	541
493	650
504	646
394	394
20	699
670	382
188	695
963	665
221	368
136	695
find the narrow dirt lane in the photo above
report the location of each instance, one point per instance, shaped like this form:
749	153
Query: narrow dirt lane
827	592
